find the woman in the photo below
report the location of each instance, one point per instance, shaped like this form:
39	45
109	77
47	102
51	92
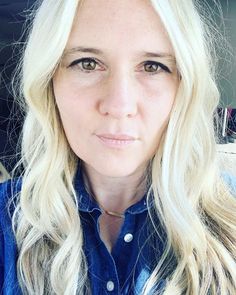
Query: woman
121	193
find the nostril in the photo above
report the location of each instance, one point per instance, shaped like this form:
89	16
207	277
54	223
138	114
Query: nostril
118	111
118	106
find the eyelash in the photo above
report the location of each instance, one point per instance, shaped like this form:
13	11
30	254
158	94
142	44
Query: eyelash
76	63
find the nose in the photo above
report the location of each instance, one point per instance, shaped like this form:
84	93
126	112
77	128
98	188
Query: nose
120	97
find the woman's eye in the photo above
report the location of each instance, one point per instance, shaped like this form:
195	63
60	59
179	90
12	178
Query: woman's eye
85	64
89	65
154	67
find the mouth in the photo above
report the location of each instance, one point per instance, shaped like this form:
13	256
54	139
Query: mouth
116	140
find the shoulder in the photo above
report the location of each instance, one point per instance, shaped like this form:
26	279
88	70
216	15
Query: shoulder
230	181
8	247
8	192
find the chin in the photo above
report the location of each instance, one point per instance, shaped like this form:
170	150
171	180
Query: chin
115	167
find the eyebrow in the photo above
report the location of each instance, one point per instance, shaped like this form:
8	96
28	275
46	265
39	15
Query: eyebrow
100	52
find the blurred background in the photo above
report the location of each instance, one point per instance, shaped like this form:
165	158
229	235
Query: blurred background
227	80
12	25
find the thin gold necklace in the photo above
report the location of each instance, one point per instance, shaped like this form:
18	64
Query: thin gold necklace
111	213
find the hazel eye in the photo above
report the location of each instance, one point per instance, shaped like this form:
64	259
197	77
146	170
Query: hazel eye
85	64
88	64
155	67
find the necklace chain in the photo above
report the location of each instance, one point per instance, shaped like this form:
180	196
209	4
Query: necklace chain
112	213
116	214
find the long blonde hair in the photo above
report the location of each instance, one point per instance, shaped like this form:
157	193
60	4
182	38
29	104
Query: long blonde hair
195	207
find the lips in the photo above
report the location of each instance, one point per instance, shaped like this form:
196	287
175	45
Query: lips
116	136
117	140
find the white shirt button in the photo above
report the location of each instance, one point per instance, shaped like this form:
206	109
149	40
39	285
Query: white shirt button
128	238
110	286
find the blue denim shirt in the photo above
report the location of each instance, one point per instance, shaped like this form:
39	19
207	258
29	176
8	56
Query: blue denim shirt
123	271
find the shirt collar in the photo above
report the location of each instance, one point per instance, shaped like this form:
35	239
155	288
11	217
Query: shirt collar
88	204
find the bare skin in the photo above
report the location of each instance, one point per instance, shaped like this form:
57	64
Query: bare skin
110	227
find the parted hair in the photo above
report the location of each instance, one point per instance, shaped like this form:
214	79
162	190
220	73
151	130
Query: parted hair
191	200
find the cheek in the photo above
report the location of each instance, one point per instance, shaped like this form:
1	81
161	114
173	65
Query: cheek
160	100
70	116
71	105
158	107
160	89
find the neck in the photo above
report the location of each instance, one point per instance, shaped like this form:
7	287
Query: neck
115	194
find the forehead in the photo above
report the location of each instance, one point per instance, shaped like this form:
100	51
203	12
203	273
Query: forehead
122	25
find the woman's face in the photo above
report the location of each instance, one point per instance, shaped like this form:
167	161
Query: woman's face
116	85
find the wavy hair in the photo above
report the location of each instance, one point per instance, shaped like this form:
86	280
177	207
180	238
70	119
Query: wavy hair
194	205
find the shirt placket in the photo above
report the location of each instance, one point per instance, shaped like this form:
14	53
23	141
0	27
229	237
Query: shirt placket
103	276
